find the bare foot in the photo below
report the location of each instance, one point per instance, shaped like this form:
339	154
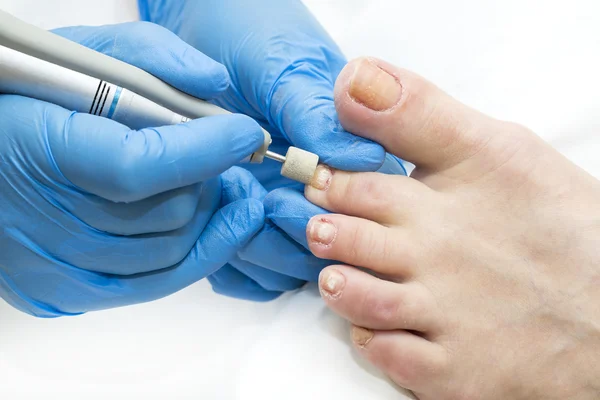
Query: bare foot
490	251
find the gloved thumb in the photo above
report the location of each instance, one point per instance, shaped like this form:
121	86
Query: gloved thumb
107	159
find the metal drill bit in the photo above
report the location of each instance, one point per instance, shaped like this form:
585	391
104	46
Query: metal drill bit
275	156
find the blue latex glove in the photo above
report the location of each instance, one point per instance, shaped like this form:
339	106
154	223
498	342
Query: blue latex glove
94	215
273	261
283	67
277	259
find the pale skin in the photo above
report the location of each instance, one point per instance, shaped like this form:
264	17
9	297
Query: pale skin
483	267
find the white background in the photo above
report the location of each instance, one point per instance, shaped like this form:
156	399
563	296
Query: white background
532	61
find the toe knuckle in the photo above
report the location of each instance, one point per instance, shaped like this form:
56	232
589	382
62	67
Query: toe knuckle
362	247
404	372
437	365
379	309
389	251
362	185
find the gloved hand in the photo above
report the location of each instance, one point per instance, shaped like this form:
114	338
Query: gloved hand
283	67
94	215
275	260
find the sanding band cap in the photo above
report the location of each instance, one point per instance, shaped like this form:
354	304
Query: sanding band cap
299	165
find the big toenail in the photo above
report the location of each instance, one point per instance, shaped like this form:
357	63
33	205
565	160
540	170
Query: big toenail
322	178
361	336
332	283
322	231
373	87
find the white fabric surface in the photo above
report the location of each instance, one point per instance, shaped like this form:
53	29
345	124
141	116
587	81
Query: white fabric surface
535	62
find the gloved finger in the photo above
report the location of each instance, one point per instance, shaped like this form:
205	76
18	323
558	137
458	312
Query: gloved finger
272	249
267	279
157	51
228	231
63	269
290	211
275	250
284	71
88	248
238	183
109	160
164	212
302	108
230	282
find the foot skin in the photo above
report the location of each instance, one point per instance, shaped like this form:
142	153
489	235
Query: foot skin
484	270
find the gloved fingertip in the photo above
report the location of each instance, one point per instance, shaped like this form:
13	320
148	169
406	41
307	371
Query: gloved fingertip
285	201
221	79
272	200
290	211
256	211
230	229
248	135
222	141
229	282
266	278
244	219
239	183
358	156
277	199
259	296
190	69
207	78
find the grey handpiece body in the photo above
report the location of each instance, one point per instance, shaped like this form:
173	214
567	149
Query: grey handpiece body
28	76
41	44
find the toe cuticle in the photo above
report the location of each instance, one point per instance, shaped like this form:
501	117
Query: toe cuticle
332	284
361	336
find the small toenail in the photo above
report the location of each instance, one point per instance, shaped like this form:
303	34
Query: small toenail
322	231
361	336
322	178
332	283
374	88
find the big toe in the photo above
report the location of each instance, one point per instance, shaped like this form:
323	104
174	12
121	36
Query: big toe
408	115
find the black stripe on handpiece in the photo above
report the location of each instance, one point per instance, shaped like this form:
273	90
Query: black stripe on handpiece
104	102
95	96
100	99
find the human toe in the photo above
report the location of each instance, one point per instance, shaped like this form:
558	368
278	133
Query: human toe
374	303
409	116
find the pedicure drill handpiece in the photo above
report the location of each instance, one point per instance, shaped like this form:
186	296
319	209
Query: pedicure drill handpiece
40	64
